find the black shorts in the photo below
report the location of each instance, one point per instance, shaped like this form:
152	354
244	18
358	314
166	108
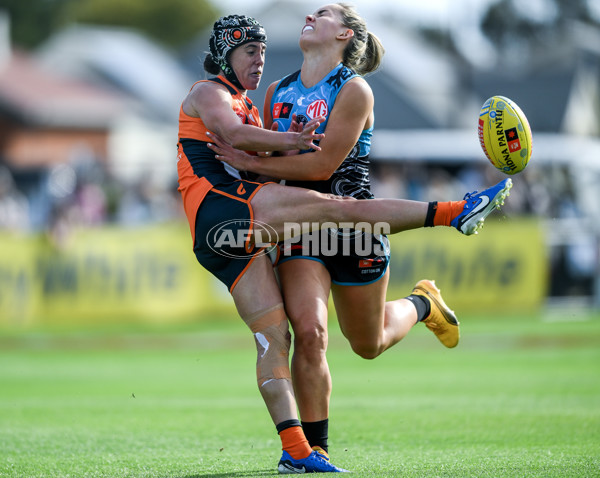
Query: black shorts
350	257
224	222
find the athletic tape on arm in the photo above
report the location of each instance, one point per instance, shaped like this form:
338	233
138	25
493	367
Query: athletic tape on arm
273	339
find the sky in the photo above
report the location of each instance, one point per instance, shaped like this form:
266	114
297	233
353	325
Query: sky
428	12
431	13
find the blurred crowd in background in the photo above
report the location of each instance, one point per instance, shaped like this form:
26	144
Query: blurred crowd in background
83	193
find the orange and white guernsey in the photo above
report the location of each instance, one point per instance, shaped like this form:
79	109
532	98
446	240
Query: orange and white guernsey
197	168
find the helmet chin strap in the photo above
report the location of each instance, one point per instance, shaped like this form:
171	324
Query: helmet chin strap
231	76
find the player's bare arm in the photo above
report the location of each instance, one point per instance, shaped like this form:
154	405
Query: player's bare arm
212	103
350	115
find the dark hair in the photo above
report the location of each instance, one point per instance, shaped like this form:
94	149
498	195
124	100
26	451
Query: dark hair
210	65
364	51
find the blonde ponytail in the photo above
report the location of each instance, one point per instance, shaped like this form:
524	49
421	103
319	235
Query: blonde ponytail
364	51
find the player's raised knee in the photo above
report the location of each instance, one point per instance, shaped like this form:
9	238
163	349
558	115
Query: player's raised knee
366	349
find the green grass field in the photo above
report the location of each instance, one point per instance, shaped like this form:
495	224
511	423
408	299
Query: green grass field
519	397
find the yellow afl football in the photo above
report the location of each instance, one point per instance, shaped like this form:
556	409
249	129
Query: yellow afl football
504	134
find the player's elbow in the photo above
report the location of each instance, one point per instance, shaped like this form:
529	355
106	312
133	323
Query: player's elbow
238	141
237	137
321	175
324	164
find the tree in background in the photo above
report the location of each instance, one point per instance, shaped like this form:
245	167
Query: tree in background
532	31
32	21
170	22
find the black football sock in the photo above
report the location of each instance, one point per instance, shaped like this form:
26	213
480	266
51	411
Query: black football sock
431	210
422	305
317	433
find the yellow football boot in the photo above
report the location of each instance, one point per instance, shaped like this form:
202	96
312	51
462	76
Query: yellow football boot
441	320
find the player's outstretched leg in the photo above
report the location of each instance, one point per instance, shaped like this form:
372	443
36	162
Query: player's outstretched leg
313	463
441	320
478	206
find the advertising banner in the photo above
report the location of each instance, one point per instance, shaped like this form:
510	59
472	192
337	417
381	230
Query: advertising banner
111	275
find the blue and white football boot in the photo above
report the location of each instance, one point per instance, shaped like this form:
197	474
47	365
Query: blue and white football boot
313	463
479	206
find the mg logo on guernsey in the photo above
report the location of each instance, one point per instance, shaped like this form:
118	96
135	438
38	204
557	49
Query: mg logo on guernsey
233	238
317	108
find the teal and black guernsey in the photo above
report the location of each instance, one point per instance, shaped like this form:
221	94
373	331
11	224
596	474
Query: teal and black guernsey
292	97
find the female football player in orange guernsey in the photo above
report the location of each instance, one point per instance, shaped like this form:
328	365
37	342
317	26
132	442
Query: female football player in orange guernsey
337	49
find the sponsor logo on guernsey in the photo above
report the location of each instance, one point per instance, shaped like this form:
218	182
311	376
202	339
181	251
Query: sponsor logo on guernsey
282	110
317	108
301	119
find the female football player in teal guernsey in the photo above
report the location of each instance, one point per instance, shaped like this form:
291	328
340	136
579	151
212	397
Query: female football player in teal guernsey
337	50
